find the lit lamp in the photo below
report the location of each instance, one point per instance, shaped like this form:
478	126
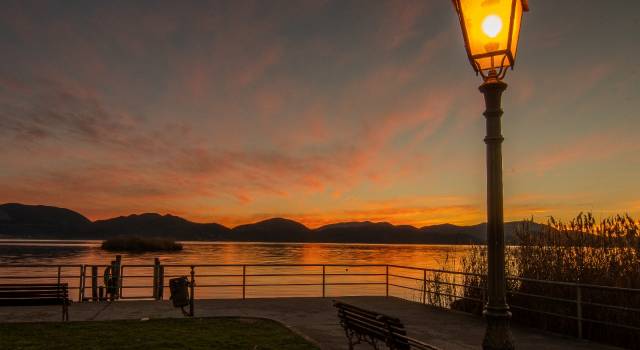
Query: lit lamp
490	29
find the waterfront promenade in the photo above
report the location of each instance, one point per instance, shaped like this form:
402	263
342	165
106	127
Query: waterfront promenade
313	318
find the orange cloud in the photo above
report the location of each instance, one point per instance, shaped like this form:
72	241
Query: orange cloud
591	147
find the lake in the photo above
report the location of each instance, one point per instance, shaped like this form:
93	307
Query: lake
209	280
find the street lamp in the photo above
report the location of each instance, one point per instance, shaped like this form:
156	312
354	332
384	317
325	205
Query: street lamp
491	29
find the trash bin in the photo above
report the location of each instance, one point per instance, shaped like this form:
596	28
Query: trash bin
179	288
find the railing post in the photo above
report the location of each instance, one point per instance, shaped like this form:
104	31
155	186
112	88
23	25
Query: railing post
94	283
161	283
81	284
116	272
387	280
244	277
424	286
483	290
110	287
323	280
120	279
156	270
192	285
579	308
59	274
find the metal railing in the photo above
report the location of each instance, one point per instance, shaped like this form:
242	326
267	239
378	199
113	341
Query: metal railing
435	287
451	286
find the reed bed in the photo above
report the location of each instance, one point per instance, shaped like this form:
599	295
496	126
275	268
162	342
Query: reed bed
583	252
140	244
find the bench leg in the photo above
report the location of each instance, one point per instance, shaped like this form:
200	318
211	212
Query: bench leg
349	338
65	312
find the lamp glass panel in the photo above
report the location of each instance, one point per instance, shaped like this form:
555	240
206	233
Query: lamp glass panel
487	25
517	19
499	60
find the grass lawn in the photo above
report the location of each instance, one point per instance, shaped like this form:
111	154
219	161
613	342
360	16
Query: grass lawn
194	333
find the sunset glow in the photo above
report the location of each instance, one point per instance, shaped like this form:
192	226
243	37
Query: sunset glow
318	111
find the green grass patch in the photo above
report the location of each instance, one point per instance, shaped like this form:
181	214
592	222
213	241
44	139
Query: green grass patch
193	333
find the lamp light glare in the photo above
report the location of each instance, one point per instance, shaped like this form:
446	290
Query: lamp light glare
491	26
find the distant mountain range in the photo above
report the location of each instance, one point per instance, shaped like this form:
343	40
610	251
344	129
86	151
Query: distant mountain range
46	222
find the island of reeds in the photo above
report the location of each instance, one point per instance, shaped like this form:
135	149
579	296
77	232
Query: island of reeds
140	244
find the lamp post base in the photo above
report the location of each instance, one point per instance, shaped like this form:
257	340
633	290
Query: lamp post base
498	335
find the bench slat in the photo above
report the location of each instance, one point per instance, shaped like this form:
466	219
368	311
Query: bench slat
33	287
20	294
32	284
31	301
365	325
373	322
361	311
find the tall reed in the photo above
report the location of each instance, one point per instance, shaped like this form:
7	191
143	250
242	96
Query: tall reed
584	252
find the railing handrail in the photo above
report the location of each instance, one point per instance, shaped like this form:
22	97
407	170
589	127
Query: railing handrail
269	265
461	273
573	284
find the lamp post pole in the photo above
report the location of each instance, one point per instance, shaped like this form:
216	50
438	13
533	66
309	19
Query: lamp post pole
496	311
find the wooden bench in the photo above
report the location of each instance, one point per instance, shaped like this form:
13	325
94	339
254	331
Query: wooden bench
362	325
36	294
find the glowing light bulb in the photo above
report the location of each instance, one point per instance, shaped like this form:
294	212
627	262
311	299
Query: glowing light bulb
492	25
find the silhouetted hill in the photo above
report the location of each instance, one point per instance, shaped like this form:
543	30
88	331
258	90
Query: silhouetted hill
41	221
272	230
30	221
384	232
479	231
156	225
365	231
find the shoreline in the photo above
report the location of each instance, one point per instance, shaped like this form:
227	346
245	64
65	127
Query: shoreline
28	241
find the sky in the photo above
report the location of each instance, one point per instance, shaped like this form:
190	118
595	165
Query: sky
316	110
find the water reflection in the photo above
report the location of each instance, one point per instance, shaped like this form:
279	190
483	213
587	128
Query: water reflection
54	253
39	253
89	252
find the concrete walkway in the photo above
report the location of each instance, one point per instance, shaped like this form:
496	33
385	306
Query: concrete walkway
314	318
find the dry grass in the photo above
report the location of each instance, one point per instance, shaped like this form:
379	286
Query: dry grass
584	251
603	253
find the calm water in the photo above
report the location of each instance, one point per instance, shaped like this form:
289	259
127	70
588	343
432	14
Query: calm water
53	253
